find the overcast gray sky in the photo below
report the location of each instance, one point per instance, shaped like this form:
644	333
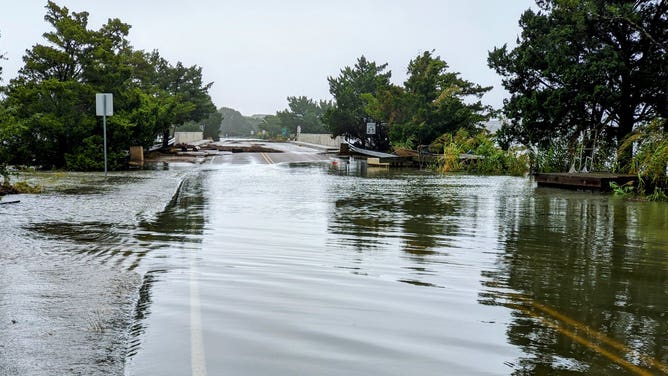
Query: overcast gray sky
258	52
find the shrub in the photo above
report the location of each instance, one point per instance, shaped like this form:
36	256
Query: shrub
489	158
650	160
90	157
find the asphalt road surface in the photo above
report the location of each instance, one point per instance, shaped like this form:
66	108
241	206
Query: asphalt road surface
286	153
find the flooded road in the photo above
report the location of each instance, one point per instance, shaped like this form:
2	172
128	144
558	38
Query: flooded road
259	267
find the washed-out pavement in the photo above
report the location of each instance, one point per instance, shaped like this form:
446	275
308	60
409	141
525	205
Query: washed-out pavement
68	289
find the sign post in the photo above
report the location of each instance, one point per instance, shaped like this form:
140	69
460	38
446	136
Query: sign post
104	106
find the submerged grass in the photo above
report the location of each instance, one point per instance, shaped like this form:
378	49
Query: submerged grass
7	187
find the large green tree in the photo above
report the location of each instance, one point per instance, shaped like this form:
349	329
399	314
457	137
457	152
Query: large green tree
305	113
348	116
5	121
211	126
234	124
271	127
187	95
52	101
178	93
432	102
53	97
596	67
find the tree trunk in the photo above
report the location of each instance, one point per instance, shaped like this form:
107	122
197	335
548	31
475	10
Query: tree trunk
626	121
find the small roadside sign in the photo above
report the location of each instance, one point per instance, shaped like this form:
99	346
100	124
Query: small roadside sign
104	104
370	128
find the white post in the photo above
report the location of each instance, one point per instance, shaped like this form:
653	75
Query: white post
104	131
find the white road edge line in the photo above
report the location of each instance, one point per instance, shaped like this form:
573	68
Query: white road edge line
197	357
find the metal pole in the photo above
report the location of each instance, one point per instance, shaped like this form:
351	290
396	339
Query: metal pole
104	130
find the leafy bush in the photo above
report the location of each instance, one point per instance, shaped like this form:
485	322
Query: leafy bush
650	160
622	190
486	157
90	157
553	159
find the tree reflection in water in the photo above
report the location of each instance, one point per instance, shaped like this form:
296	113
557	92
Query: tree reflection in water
586	276
414	215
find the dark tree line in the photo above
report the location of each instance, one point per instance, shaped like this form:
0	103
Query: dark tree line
586	71
302	113
431	102
47	117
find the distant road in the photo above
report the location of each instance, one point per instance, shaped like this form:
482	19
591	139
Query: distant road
291	153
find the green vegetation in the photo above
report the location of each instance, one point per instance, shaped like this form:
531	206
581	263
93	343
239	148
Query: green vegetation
649	161
302	112
210	127
622	190
272	127
47	117
587	81
478	154
7	187
432	101
589	76
351	90
234	124
4	174
651	156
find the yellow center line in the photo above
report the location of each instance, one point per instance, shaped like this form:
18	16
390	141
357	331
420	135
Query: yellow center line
583	341
559	320
601	337
267	158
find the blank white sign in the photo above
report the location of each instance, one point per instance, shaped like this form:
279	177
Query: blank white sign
100	100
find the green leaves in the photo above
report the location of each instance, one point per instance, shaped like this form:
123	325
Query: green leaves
234	123
53	122
348	116
305	113
591	66
432	101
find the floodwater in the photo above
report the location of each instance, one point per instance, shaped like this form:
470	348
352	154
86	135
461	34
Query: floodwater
321	269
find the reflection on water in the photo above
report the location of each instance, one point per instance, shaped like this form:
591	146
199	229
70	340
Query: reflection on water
381	214
588	278
338	269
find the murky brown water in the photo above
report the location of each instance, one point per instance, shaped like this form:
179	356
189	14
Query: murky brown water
306	269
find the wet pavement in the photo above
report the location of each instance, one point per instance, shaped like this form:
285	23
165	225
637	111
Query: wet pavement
287	263
73	275
67	299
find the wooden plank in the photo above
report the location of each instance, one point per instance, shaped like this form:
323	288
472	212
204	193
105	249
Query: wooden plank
375	162
585	181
